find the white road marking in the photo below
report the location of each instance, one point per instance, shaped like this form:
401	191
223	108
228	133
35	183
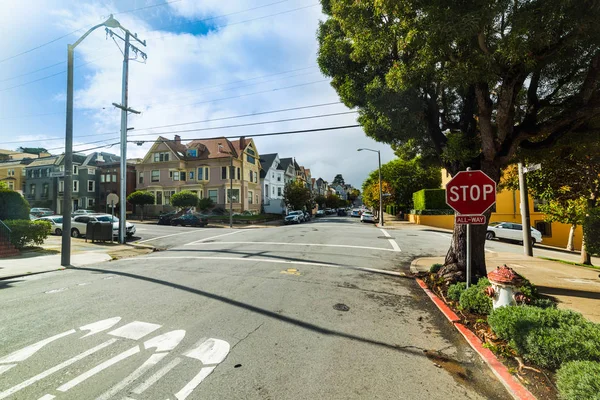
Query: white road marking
54	369
191	385
4	368
391	240
165	342
162	237
135	330
26	352
62	289
98	368
213	237
84	284
297	244
99	326
154	378
211	351
47	397
445	235
150	362
267	260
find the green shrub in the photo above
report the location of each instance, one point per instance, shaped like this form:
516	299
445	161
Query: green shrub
577	380
543	303
547	337
474	298
591	231
185	198
435	268
13	205
205	204
430	199
528	289
432	212
26	233
454	291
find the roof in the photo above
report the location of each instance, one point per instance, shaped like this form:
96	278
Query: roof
284	163
209	148
267	161
177	148
38	162
12	163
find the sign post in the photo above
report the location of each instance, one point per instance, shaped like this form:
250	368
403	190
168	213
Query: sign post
112	199
470	194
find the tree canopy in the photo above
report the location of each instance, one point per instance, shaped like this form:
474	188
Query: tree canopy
185	198
338	180
297	196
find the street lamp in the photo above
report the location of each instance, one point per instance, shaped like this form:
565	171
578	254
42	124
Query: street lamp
380	189
65	256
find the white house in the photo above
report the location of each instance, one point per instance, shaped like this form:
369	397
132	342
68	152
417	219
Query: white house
272	180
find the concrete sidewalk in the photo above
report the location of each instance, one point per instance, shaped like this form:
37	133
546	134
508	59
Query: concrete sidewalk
576	288
48	258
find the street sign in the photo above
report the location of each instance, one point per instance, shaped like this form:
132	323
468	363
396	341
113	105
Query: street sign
532	167
112	199
59	174
470	219
471	192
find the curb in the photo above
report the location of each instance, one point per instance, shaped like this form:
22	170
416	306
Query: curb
513	386
3	278
413	267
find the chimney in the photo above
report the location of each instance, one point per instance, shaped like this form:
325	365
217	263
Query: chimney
242	142
177	139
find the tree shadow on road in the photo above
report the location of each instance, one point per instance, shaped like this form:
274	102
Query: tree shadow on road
552	291
409	349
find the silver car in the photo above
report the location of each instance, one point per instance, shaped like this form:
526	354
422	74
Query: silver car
511	231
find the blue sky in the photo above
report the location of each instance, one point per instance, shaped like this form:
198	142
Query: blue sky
206	60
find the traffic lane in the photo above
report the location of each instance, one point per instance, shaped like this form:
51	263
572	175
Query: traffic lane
165	237
290	343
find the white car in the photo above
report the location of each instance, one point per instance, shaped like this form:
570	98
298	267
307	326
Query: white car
511	231
55	221
294	217
367	216
79	224
83	212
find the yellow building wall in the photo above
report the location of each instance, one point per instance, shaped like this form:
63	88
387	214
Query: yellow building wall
507	210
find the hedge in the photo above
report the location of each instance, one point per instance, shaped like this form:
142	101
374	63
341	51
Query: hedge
430	199
26	233
591	230
578	380
432	212
13	205
547	337
474	298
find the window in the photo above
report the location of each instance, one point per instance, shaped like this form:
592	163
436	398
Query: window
256	199
174	175
278	178
155	177
273	190
250	195
159	196
91	171
11	172
223	172
11	185
182	175
75	169
91	186
213	194
255	177
203	174
191	175
233	195
273	175
249	156
61	186
267	189
45	188
192	152
90	202
114	177
278	191
61	168
161	157
102	178
141	177
32	189
76	186
36	173
251	176
168	195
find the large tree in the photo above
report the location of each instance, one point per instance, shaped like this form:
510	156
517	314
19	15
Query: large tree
297	196
338	180
185	198
141	198
469	81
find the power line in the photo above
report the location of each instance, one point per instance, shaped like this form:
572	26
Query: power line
192	122
147	7
45	77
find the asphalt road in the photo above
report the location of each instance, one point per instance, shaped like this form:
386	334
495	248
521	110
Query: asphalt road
313	311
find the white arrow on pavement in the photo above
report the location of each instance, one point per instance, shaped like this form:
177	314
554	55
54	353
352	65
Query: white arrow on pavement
26	352
100	326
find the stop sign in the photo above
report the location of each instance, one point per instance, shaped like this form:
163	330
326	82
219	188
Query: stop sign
471	192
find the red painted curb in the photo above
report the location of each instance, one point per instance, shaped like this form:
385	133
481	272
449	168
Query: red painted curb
514	387
447	311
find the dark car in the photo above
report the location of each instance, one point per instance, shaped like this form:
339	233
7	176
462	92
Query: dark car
190	219
342	213
165	219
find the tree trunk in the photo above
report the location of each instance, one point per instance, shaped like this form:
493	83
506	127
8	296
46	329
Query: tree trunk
586	258
570	246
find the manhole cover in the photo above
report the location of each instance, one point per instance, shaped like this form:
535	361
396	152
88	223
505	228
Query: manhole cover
385	237
341	307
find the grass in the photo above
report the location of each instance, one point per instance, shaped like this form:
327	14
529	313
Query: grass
569	262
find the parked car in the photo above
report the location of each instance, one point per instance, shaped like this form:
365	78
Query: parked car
511	231
307	216
55	221
83	212
41	212
294	217
328	211
320	213
190	219
342	212
355	213
367	216
79	224
165	219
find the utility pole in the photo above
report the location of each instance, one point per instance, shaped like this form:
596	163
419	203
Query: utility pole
525	218
124	110
231	190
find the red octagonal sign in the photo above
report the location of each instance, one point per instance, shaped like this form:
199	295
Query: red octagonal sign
471	192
